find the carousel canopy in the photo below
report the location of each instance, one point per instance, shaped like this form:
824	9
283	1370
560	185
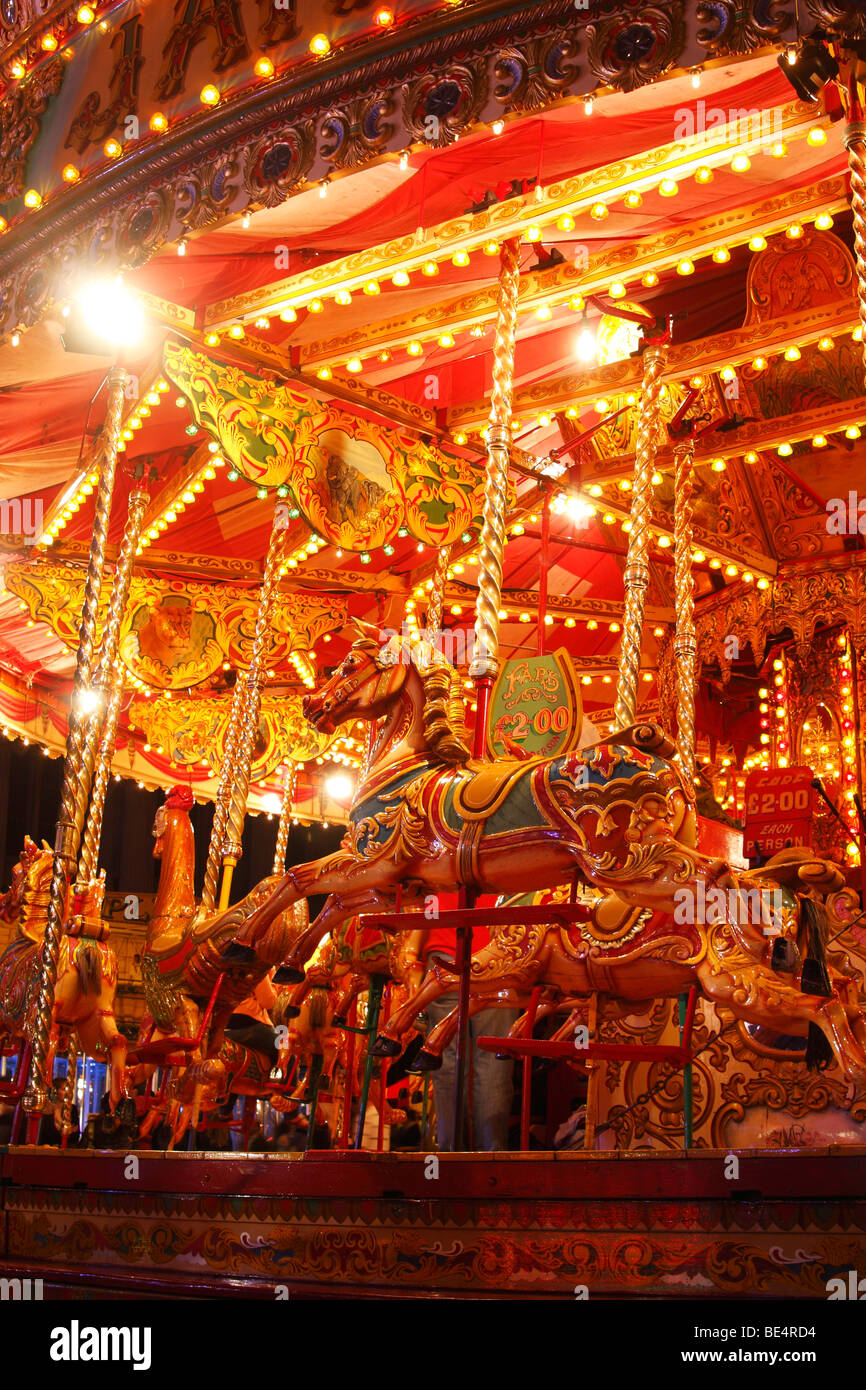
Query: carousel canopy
308	205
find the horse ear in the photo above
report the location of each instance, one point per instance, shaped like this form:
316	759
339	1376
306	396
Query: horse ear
368	630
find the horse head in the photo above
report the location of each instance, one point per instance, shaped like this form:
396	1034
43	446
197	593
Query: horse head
380	668
365	684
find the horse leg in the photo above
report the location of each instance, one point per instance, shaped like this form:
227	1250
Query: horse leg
786	1009
430	1056
341	905
436	982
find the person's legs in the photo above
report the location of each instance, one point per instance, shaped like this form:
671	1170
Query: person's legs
443	1079
493	1081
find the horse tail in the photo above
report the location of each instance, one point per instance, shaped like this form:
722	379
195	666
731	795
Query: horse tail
318	1007
88	963
815	977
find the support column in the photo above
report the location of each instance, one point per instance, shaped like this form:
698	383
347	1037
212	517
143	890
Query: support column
77	767
636	576
237	807
855	141
484	665
685	647
108	682
436	601
290	781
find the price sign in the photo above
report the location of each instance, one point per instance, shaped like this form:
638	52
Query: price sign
780	806
536	706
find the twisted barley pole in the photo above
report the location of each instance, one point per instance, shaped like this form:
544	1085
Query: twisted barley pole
636	576
485	659
855	140
223	797
685	647
89	859
237	807
290	780
108	681
76	769
436	601
68	1096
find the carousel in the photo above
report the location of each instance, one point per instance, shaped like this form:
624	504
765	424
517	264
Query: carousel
433	569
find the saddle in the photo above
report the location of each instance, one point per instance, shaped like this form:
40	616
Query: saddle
484	786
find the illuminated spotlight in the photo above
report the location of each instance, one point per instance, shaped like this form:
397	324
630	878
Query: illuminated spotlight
759	364
70	174
320	44
111	311
721	255
704	174
823	222
741	163
339	788
158	122
649	279
817	136
758	243
209	95
498	127
794	231
86	14
587	348
669	188
686	267
33	198
599	211
264	68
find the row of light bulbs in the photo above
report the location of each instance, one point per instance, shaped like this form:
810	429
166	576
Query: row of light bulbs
565	222
187	497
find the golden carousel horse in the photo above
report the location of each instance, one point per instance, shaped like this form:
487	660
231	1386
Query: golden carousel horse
612	953
86	970
188	1004
344	962
428	818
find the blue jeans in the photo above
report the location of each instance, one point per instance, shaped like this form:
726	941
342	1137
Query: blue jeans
492	1085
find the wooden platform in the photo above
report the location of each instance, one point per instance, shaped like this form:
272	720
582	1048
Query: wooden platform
487	1226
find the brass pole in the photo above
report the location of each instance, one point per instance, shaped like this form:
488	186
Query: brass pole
68	1099
77	769
89	859
855	141
685	648
436	601
485	660
290	779
108	682
223	797
237	807
636	576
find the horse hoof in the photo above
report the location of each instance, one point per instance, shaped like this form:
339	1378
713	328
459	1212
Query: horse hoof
290	1011
288	975
236	953
125	1112
426	1061
385	1047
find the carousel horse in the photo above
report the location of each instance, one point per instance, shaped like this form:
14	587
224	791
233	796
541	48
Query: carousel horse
619	817
182	961
86	970
346	960
619	954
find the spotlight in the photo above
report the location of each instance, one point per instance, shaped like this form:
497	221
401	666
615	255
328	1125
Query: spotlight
813	67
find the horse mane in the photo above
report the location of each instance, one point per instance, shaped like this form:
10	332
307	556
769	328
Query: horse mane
442	724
